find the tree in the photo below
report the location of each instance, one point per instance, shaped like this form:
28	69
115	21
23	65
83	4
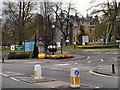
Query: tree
19	13
106	29
82	33
111	10
45	21
63	18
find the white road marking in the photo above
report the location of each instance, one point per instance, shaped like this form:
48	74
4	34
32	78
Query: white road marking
4	74
76	63
97	87
14	79
89	61
101	60
88	57
62	64
13	73
53	68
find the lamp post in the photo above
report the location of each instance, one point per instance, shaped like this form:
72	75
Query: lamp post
53	27
61	44
107	32
74	41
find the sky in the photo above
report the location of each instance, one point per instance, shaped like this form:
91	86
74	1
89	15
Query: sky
81	5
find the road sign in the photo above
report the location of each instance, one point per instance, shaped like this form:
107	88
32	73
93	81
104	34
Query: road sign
102	37
85	38
58	44
18	47
74	43
75	78
117	40
76	72
101	40
12	47
67	38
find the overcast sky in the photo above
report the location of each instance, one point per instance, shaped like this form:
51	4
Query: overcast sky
81	5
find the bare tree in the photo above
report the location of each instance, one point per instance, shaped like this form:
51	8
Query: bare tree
111	10
19	13
63	17
45	19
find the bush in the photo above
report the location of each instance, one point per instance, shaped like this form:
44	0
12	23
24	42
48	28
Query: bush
18	55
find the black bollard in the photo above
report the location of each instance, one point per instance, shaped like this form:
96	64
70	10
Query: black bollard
113	69
2	60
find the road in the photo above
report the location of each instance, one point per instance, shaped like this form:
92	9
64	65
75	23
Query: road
59	70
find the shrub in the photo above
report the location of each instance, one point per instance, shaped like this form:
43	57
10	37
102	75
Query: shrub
18	55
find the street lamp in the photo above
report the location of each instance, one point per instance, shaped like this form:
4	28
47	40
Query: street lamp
61	44
74	41
53	27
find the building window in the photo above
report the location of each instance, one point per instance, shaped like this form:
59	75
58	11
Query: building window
90	30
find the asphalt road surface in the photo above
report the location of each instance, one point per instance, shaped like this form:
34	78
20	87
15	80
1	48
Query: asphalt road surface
60	70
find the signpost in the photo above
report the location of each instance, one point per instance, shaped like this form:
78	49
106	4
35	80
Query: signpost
102	41
85	39
67	39
75	78
29	45
12	47
118	41
18	47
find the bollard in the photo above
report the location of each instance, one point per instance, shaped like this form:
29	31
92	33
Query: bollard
2	60
113	69
37	72
75	82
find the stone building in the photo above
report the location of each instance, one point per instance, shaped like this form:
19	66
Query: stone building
89	23
74	26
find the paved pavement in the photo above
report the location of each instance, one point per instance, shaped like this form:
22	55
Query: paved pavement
107	71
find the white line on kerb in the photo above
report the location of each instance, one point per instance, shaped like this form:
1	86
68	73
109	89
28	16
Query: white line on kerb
4	74
101	60
97	87
88	57
14	79
62	64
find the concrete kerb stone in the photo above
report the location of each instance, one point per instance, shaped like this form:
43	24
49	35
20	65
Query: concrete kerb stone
106	70
33	81
39	61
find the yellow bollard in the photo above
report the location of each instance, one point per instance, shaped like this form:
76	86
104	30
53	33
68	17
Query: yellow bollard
37	72
75	81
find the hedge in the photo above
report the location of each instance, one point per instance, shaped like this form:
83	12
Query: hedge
18	55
